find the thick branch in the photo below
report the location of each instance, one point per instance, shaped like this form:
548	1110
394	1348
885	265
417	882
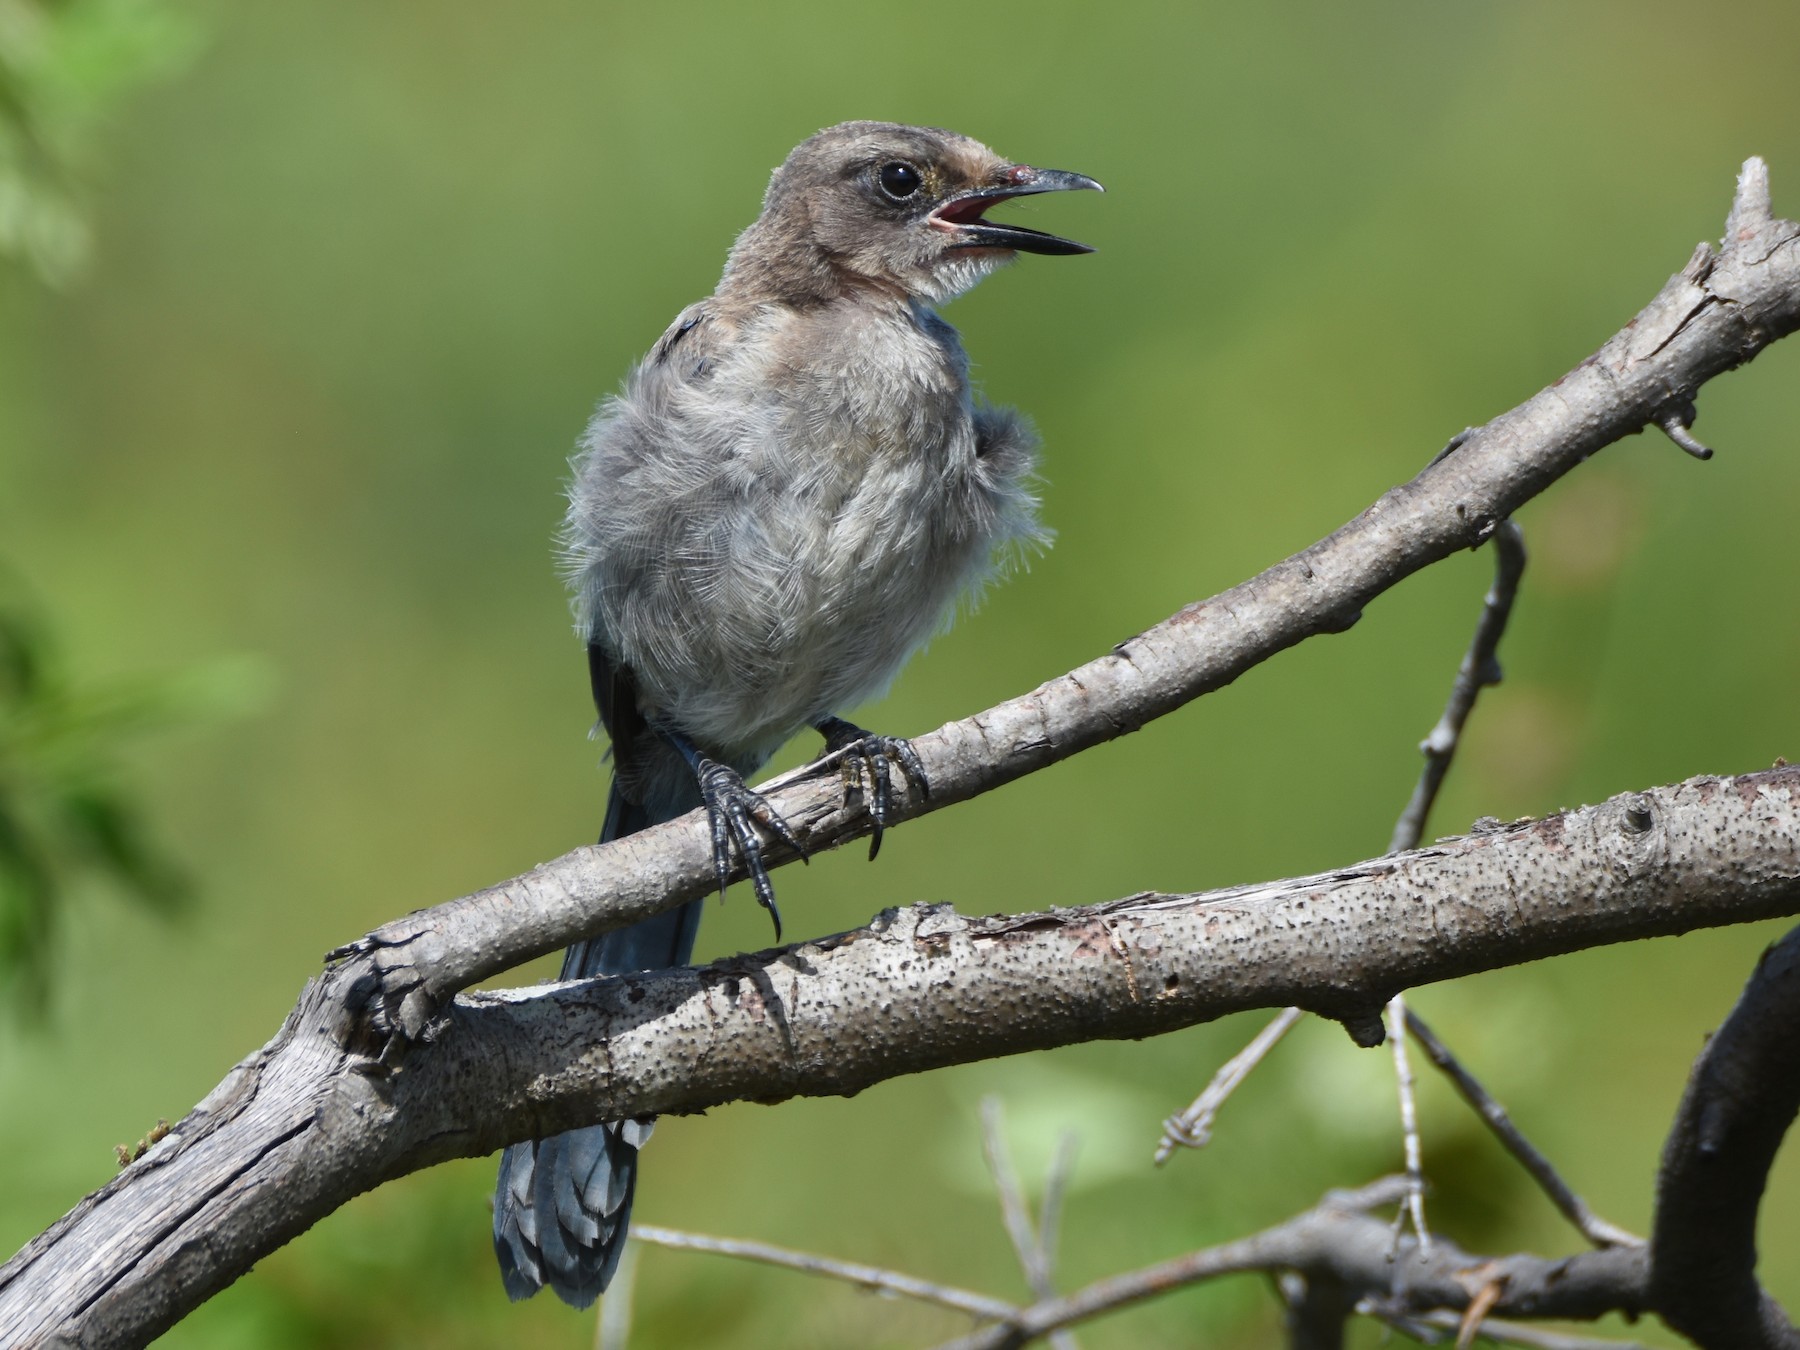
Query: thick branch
306	1124
1741	1098
320	1114
1715	314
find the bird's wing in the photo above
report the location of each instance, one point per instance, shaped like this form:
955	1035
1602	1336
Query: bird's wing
681	333
615	698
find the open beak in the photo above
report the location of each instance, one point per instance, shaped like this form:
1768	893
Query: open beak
962	215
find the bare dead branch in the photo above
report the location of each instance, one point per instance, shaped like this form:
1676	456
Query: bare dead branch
1741	1097
1572	1207
851	1272
1027	1242
308	1121
1480	668
614	1330
378	1072
1056	1186
1718	312
1476	1313
1192	1128
1340	1243
1510	1333
1676	426
1414	1206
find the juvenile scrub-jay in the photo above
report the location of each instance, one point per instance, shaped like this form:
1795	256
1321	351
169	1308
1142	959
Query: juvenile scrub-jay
784	502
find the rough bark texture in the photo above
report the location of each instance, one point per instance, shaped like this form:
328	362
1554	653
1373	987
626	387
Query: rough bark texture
380	1070
1740	1100
1715	314
314	1118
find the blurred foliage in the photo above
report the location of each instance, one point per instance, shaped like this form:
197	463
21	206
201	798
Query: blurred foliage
65	68
63	814
362	273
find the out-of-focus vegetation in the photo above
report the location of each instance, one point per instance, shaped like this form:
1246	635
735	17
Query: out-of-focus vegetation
59	817
358	277
64	816
65	66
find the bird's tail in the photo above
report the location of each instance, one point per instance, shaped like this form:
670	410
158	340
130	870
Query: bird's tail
562	1204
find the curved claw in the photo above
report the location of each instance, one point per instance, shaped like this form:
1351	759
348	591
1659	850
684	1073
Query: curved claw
735	811
868	769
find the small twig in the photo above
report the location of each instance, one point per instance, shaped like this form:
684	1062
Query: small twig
1480	668
1675	424
1026	1242
1751	206
614	1329
1302	1240
868	1277
1017	1218
1573	1208
1476	1313
1414	1208
1192	1128
1500	1332
1056	1187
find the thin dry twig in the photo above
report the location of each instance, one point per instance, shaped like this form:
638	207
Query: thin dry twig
1480	667
1056	1186
1027	1242
1192	1128
1572	1207
1476	1313
1414	1207
1675	425
851	1272
613	1330
1270	1250
1424	1326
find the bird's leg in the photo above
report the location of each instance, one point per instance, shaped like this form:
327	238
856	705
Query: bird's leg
735	811
867	766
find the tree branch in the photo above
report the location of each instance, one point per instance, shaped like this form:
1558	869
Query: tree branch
1718	312
851	1272
1741	1098
377	1072
1570	1205
1480	667
305	1124
1339	1245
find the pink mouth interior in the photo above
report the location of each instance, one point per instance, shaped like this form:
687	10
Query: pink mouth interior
966	211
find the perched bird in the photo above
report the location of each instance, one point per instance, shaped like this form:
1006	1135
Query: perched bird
783	503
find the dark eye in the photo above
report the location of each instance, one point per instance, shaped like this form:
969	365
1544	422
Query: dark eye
898	179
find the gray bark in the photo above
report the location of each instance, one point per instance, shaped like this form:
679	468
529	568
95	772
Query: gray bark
1715	314
315	1118
381	1069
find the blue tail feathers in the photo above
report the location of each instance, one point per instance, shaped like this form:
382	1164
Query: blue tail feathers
562	1204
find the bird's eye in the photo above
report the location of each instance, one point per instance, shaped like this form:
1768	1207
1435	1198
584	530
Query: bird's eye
898	179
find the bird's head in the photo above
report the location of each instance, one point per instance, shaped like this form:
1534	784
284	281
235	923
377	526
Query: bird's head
891	207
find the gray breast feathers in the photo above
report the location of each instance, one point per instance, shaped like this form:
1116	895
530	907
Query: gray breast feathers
780	508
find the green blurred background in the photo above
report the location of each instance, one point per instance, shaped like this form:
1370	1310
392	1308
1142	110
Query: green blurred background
359	274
